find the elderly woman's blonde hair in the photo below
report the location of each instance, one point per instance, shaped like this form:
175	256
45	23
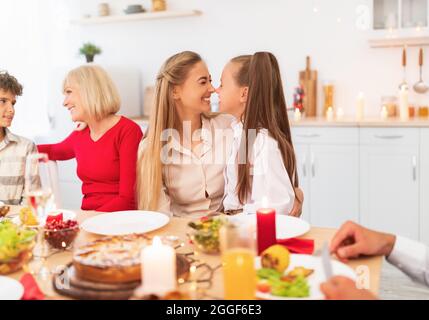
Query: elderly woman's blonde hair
98	93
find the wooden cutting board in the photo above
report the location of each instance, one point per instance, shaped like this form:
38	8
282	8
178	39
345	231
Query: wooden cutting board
89	290
308	81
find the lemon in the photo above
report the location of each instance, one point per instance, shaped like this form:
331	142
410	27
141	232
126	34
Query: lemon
27	217
276	257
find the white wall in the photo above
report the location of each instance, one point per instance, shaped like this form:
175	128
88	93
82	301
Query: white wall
288	28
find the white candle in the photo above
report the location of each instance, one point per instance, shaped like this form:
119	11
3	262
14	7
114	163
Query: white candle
403	103
330	114
360	107
158	262
340	114
384	113
297	114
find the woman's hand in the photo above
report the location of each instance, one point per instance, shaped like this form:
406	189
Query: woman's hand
297	204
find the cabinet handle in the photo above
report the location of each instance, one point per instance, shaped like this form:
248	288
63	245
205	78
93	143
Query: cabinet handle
414	168
313	169
391	137
304	166
309	135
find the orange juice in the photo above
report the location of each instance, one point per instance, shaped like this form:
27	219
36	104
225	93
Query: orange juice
239	274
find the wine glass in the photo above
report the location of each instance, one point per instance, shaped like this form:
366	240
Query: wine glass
40	197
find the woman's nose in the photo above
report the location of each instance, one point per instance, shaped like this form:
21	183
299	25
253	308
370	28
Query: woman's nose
211	88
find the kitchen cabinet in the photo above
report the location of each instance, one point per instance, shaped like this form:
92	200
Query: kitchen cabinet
389	184
399	23
424	186
328	167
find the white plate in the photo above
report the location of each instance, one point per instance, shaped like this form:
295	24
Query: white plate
314	280
10	289
125	222
286	226
67	215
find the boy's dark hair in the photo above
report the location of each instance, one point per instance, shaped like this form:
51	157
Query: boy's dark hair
9	83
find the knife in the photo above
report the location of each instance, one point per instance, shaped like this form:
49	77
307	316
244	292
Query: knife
326	261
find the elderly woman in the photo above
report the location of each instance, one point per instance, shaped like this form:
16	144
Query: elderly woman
106	148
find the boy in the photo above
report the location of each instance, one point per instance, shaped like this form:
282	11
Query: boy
13	149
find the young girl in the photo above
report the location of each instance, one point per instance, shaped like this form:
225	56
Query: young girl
177	169
105	148
262	162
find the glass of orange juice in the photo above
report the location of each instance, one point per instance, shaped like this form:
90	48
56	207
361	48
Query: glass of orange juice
238	262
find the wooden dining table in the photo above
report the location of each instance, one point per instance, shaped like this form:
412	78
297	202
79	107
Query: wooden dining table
367	268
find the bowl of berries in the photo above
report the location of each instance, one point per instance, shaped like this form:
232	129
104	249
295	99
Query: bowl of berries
60	233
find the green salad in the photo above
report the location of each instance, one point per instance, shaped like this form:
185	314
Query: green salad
275	283
206	233
14	240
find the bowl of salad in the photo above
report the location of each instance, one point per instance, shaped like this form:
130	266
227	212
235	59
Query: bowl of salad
16	246
204	234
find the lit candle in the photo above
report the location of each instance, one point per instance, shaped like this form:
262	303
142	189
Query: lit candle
340	114
403	103
297	114
384	114
158	263
330	114
266	226
360	107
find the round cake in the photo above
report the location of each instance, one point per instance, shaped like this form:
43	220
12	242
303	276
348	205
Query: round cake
110	259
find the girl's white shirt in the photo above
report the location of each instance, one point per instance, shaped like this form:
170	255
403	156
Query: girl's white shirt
269	179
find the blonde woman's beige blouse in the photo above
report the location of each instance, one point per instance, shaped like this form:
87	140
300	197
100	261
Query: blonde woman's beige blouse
193	182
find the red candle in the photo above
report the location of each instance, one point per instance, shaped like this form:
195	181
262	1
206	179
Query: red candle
266	228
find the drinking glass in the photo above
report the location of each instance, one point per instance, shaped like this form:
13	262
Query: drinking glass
238	261
39	196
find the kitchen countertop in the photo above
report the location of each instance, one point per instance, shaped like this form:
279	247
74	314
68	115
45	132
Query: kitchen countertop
369	122
346	122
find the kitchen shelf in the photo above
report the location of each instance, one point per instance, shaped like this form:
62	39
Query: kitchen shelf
137	17
399	42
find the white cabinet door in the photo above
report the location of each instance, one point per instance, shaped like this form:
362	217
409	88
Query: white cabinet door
424	186
390	188
301	153
334	176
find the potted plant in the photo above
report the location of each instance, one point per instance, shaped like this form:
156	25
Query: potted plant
89	50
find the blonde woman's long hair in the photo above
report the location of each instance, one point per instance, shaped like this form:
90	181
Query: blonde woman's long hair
164	116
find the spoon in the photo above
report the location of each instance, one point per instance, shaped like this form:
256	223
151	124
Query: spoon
404	65
421	87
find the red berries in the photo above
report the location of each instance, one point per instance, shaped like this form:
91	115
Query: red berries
59	233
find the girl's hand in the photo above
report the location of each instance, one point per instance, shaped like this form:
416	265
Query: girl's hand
297	204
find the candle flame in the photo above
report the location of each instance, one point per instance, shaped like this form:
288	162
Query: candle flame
156	241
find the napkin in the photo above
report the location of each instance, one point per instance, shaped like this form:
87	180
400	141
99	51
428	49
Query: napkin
31	289
296	245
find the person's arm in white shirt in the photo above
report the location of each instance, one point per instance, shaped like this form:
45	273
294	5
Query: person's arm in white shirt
270	178
412	258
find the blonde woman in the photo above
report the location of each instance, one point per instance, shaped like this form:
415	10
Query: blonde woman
106	148
181	161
